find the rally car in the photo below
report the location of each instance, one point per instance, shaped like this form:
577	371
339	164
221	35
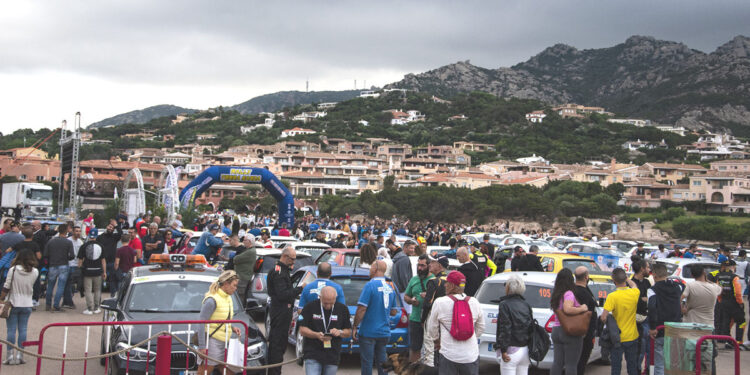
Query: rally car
170	288
352	281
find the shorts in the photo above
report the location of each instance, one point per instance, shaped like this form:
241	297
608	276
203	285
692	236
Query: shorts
215	350
416	336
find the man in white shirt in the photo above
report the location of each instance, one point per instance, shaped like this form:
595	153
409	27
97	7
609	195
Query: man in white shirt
74	276
455	356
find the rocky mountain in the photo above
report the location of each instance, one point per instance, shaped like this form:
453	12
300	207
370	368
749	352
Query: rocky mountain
142	116
643	77
278	100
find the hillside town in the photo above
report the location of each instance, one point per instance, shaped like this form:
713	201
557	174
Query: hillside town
340	167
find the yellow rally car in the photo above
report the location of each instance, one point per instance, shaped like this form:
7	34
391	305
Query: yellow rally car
554	262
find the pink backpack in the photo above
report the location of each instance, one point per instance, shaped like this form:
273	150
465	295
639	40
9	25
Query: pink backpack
462	325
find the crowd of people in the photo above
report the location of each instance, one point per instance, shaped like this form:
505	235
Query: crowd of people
444	320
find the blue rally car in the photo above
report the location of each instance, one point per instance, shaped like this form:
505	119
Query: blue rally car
352	281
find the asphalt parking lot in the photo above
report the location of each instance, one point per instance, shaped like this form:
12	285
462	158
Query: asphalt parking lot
76	345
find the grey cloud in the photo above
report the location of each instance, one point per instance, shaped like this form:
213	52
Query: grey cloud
240	42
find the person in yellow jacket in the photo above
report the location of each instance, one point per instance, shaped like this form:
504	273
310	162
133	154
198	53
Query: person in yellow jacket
486	266
217	305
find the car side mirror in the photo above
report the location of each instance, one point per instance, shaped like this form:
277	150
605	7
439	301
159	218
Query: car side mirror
110	304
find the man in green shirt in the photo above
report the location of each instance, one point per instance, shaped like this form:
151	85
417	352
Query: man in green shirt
414	295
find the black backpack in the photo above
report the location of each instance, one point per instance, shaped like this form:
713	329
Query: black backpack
539	341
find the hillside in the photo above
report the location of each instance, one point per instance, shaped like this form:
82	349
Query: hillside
282	99
486	119
642	77
141	116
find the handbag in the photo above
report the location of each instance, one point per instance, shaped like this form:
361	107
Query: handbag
539	340
234	352
6	306
574	325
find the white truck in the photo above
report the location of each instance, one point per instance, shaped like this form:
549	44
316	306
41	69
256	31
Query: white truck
35	198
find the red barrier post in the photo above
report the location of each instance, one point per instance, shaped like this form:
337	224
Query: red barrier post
730	339
163	354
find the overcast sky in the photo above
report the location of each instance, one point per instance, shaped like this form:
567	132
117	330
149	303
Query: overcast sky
104	58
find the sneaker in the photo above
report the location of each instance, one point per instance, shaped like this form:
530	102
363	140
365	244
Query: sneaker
71	306
97	311
87	312
35	303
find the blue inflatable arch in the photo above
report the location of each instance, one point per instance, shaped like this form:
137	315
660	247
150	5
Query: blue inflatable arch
247	175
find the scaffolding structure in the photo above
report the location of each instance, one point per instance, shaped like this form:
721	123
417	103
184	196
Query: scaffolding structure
70	147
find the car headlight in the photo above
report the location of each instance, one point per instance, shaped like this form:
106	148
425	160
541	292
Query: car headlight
136	354
255	351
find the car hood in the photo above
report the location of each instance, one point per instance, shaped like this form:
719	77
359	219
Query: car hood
141	332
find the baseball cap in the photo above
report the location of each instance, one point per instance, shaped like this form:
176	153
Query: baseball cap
728	262
443	260
456	278
93	233
213	227
265	231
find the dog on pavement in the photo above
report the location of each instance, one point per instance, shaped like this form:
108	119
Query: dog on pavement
399	364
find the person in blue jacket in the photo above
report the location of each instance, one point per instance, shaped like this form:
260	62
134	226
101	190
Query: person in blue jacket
311	292
208	244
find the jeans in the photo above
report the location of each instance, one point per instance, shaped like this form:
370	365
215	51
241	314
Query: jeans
630	349
92	288
518	364
567	352
68	294
18	320
112	281
313	367
659	356
372	348
645	344
56	275
445	366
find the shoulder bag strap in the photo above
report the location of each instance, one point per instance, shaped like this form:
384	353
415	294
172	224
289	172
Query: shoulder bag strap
229	316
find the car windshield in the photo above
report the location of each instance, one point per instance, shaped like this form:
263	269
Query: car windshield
601	290
170	296
607	251
536	296
671	267
687	270
40	195
540	243
352	288
269	261
572	264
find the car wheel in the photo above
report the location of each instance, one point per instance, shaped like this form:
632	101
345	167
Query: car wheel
102	361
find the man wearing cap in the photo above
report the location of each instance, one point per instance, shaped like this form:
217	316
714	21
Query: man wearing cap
208	243
641	252
455	356
265	239
93	267
282	295
731	306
